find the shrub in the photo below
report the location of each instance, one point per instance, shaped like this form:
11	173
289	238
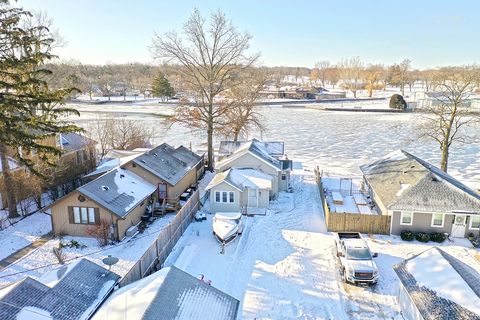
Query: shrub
407	235
397	102
422	237
438	237
58	252
100	232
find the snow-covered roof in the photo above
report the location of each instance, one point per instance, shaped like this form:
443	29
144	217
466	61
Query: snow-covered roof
168	163
403	181
441	286
256	148
243	178
168	294
274	148
73	141
109	163
119	191
76	295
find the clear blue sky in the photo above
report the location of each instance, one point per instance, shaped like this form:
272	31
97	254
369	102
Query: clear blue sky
292	33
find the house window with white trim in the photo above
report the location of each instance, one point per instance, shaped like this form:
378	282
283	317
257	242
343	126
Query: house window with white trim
437	220
224	196
475	222
406	218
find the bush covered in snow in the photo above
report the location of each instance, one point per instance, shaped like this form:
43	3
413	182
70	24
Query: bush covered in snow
422	237
438	237
407	235
397	102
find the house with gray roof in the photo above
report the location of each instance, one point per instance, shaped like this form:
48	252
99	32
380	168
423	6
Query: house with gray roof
236	188
434	285
168	294
274	148
255	154
172	170
72	292
117	199
420	197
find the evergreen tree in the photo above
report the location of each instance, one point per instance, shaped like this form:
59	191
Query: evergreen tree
161	87
397	102
29	110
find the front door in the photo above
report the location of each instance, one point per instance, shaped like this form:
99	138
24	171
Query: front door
162	191
252	198
459	225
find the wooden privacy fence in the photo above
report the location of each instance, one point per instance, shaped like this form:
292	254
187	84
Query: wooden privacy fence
364	223
158	252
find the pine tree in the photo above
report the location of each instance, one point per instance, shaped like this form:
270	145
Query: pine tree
29	111
161	87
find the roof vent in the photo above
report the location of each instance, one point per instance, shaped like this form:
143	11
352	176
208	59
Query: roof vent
142	161
155	155
434	179
105	188
122	175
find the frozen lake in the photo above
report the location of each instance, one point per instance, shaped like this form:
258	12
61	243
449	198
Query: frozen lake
338	142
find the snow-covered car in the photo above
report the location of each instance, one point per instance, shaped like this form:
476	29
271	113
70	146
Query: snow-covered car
356	259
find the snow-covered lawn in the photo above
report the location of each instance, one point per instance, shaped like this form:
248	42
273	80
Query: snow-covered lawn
284	266
128	252
23	233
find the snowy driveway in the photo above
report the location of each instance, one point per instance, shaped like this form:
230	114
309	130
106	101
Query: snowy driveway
282	267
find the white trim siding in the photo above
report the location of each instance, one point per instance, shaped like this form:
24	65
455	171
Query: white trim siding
402	215
432	224
471	220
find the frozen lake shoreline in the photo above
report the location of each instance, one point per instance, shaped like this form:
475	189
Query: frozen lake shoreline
336	141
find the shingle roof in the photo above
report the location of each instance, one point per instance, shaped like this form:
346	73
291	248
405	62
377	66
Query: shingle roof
403	181
73	141
169	294
119	191
431	304
256	148
242	178
76	296
274	148
167	163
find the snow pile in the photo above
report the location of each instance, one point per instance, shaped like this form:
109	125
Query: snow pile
433	271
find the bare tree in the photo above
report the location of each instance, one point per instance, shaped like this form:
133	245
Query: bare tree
351	71
322	68
127	134
400	74
211	57
449	113
242	116
100	130
373	75
332	75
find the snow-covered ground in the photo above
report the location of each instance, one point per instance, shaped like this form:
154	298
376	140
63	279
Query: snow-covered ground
42	260
23	233
284	266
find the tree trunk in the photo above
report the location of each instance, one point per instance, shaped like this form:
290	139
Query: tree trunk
370	92
355	94
9	183
402	87
210	138
444	160
235	135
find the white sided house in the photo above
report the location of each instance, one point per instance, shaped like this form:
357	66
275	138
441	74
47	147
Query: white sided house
254	154
237	188
420	197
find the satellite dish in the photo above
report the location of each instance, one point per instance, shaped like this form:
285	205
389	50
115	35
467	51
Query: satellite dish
110	261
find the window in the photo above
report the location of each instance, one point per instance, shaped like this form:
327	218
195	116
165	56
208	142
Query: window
76	215
225	196
437	220
284	177
82	215
406	218
474	222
